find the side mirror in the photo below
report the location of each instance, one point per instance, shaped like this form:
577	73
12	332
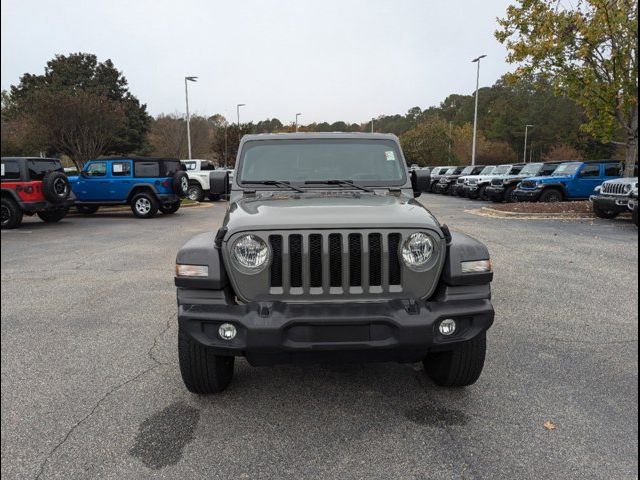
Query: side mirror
219	182
420	182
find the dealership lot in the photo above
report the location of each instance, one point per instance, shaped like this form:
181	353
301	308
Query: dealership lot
91	387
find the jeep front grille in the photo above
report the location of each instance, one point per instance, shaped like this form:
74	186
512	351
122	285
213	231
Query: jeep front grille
496	182
335	262
614	189
473	181
528	184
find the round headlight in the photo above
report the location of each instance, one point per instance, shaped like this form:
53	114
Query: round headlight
250	253
417	250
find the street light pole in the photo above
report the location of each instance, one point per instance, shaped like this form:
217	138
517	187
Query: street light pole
238	112
297	115
475	114
526	131
372	119
186	99
225	144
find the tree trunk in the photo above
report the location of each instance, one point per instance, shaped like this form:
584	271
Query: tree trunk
631	158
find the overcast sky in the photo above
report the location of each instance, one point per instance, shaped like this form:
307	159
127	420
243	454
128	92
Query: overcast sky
331	60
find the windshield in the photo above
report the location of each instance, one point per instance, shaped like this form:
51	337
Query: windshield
450	171
369	162
488	170
502	169
566	169
531	170
467	170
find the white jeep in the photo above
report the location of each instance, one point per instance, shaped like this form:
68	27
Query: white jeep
199	172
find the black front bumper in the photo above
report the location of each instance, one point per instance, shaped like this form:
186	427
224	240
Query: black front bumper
527	195
275	332
613	203
495	192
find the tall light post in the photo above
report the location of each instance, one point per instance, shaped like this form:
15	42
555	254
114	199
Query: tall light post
526	131
238	113
372	120
186	99
297	115
475	114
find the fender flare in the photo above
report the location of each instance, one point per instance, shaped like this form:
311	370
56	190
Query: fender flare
557	186
203	250
141	185
11	193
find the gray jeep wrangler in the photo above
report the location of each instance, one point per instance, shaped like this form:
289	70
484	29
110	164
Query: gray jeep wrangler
324	255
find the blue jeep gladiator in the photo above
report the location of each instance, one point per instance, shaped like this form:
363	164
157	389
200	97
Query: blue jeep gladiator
570	181
146	184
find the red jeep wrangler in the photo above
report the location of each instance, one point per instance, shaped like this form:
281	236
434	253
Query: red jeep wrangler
33	186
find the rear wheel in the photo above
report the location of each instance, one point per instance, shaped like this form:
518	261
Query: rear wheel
169	208
603	212
202	371
195	192
52	216
87	209
460	366
144	205
11	214
551	195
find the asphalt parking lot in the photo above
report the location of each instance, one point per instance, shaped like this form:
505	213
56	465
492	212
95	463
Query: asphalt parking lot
91	387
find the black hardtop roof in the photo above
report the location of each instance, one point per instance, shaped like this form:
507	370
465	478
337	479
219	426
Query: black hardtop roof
31	158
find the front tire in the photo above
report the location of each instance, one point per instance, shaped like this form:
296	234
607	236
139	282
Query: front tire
202	371
602	213
11	214
459	367
508	194
53	216
482	193
144	205
634	215
551	195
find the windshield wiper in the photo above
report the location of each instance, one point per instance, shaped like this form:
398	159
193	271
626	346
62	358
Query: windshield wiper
277	183
349	183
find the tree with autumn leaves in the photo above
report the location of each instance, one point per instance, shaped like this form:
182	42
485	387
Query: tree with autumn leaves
589	50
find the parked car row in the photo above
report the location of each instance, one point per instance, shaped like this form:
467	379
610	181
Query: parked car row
40	186
597	180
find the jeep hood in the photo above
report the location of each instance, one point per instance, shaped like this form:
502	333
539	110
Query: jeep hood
559	178
336	212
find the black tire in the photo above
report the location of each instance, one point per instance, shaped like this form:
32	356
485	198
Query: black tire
180	184
169	208
195	192
202	371
603	213
11	214
56	187
53	216
214	197
144	205
508	194
634	215
551	195
482	193
87	209
460	366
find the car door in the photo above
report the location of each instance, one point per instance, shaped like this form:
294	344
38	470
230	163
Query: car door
121	180
587	179
93	182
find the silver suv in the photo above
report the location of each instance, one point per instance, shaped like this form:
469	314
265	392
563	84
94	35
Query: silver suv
325	255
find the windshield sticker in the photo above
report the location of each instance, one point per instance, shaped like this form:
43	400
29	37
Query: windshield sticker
390	155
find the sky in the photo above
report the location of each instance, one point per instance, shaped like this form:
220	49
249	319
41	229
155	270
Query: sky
330	60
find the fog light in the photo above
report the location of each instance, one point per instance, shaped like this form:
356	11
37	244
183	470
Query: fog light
227	331
447	327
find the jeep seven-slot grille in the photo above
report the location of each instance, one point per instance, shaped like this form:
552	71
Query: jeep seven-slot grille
528	184
335	262
614	188
496	182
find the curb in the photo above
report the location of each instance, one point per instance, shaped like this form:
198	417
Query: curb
125	208
492	212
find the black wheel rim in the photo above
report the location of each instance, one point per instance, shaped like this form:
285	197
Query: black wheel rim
60	187
6	215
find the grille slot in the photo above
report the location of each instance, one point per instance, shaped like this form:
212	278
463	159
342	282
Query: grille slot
614	188
276	267
375	259
315	260
335	260
496	182
395	269
295	256
355	260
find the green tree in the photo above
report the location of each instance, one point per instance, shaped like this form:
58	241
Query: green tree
81	74
588	50
427	143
